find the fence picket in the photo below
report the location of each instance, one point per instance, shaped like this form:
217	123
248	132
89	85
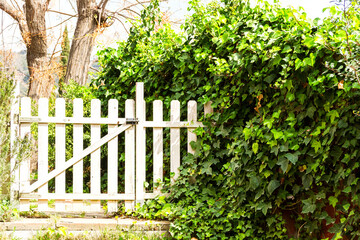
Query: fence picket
95	156
78	146
43	151
174	139
60	150
158	145
129	154
15	108
192	117
113	112
25	164
140	144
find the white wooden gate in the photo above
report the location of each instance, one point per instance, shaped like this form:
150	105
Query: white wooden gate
133	125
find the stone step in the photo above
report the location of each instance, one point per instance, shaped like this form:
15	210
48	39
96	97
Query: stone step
24	228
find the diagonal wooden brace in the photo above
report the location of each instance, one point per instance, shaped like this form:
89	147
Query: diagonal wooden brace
92	148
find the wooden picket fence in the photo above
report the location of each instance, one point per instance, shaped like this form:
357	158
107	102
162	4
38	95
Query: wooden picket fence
133	125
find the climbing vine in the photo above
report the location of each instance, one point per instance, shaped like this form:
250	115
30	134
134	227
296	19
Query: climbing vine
279	157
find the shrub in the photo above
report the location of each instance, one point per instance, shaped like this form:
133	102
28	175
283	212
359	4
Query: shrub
281	159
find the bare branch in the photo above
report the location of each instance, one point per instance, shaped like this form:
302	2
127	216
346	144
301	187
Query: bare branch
63	13
61	22
122	24
15	14
47	3
130	10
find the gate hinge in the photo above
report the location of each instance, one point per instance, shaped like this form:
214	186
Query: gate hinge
132	121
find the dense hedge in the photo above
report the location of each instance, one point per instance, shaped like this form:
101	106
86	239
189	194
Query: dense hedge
282	159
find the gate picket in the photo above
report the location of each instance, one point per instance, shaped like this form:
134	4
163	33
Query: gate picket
78	146
158	145
130	154
60	150
43	151
113	156
192	117
95	156
174	139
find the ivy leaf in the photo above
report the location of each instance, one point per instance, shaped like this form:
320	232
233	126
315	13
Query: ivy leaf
309	206
316	145
273	185
277	134
333	201
255	147
293	158
264	207
283	163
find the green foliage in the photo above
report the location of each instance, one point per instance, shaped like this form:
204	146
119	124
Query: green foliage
284	146
19	148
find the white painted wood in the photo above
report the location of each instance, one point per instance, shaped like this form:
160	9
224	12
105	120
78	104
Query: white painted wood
60	149
130	154
192	117
113	113
81	196
24	169
174	139
140	144
158	146
77	158
166	124
95	156
14	164
73	120
208	109
43	150
78	146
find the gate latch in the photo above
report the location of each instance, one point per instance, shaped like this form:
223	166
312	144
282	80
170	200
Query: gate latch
132	121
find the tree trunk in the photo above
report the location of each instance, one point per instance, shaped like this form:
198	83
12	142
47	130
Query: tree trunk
41	81
82	42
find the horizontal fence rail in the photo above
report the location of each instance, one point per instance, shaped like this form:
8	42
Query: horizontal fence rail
133	125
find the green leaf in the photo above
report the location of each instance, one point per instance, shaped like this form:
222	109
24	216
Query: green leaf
309	206
273	185
293	158
283	163
277	134
255	147
333	201
316	145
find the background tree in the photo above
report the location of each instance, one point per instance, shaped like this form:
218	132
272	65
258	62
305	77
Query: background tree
92	18
64	56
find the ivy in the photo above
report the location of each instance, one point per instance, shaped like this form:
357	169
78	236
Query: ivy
283	152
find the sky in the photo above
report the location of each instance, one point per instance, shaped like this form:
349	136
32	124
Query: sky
11	38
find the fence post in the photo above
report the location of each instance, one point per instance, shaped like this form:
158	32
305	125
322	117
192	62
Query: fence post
14	129
140	144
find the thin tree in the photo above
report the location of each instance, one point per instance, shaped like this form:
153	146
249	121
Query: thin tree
64	56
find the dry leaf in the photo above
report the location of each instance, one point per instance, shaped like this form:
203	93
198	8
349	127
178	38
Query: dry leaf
341	84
